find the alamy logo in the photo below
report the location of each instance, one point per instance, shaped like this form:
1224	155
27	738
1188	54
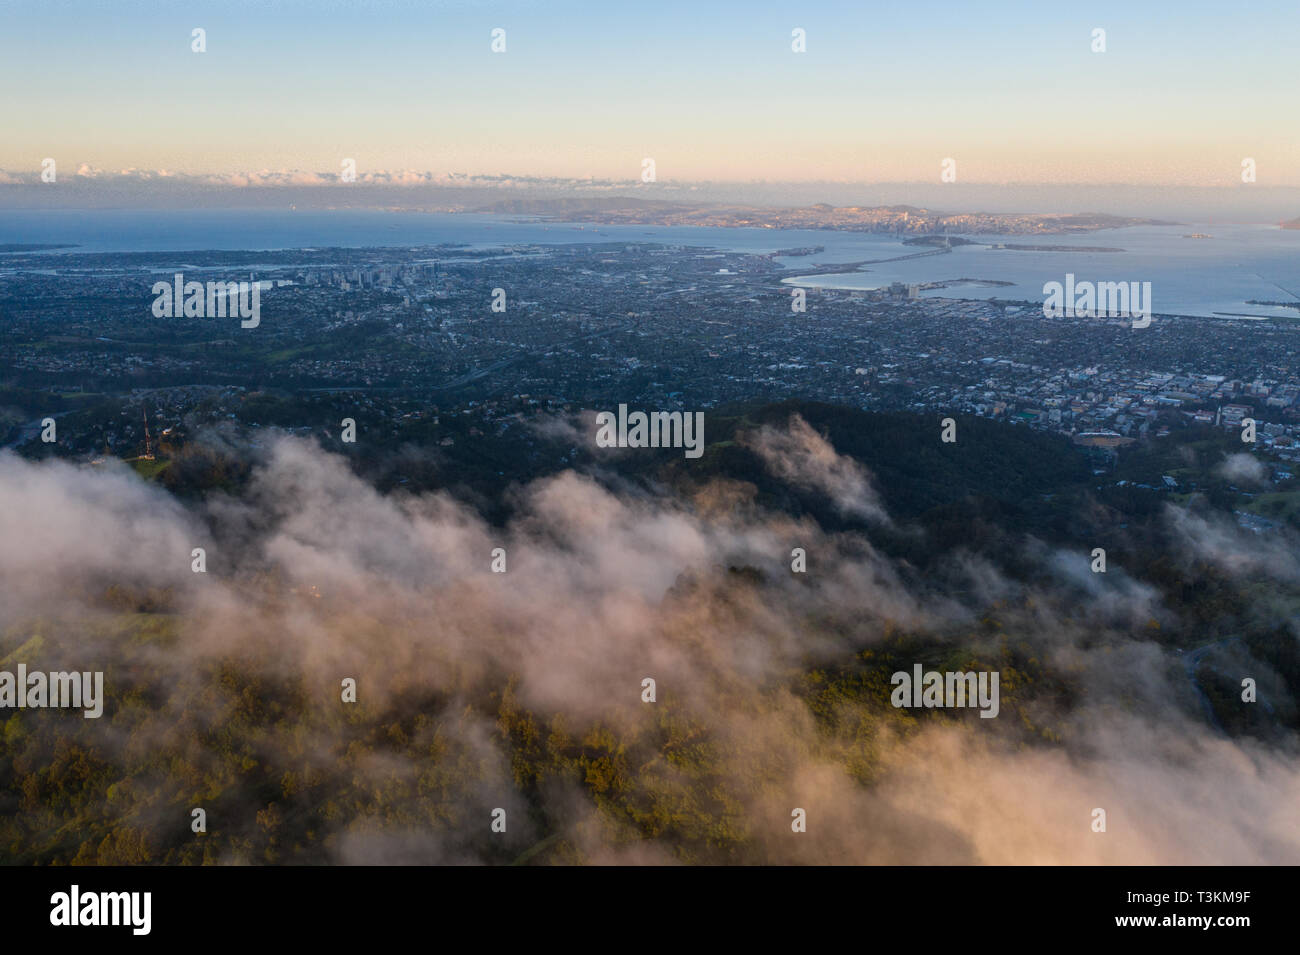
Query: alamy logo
1098	300
103	908
946	689
658	429
59	689
183	299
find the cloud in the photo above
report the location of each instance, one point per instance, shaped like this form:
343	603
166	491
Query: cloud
800	455
1244	469
1112	595
314	576
1236	551
66	529
300	177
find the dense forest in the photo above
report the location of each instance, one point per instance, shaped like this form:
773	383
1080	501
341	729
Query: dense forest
523	691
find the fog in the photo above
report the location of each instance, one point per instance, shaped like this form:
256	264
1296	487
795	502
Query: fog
314	577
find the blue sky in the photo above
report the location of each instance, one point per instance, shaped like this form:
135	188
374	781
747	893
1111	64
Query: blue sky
709	90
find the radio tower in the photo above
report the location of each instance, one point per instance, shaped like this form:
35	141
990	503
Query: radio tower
148	445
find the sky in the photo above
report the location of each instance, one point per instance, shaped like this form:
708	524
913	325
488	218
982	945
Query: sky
710	91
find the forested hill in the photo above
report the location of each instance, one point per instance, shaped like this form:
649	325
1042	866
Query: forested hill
915	471
521	691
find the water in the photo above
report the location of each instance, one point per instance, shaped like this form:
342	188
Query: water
1188	276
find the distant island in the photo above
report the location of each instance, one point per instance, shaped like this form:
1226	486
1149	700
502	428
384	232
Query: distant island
951	241
803	250
1054	248
32	247
1291	224
938	240
891	220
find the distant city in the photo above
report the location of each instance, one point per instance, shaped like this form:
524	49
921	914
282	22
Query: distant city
413	335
